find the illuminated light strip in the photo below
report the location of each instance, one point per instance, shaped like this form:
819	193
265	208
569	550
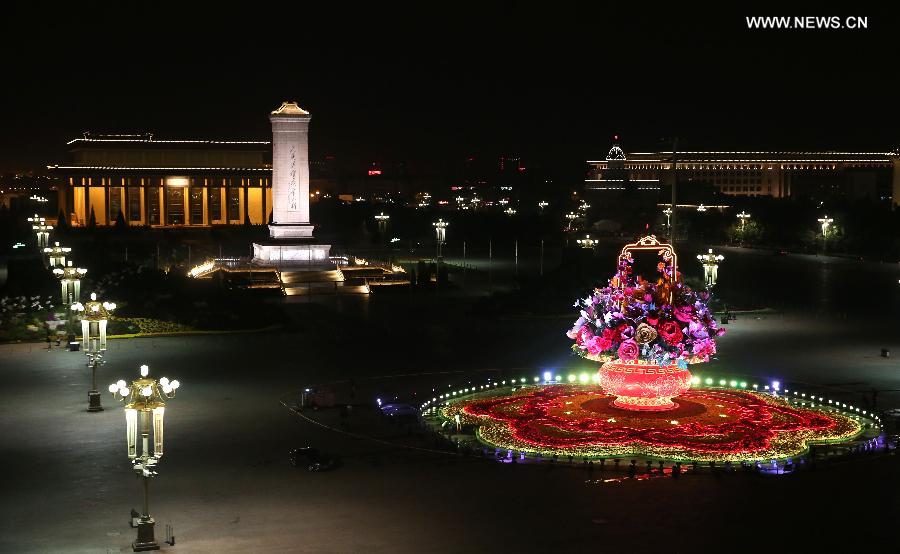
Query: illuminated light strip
128	168
150	141
682	162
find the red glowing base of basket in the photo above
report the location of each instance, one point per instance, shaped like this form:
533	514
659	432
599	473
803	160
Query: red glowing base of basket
644	387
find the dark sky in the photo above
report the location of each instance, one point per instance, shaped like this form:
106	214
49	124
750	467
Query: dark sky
435	82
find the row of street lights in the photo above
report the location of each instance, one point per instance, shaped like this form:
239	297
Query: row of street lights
144	399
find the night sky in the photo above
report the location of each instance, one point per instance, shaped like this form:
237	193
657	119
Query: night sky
432	84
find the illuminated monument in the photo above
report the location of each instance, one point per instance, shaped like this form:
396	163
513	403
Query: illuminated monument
291	231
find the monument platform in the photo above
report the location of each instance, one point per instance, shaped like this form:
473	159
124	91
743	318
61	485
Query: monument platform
292	253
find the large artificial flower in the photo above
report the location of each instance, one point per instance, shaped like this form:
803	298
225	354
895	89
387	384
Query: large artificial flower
584	334
704	348
670	332
645	334
625	331
684	314
628	350
697	330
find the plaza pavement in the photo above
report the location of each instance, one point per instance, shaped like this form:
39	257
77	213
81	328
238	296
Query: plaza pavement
226	486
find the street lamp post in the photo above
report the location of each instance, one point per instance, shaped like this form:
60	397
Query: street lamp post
825	222
571	216
710	262
70	280
57	255
145	400
543	204
440	232
510	211
587	242
382	220
668	214
41	229
95	316
743	216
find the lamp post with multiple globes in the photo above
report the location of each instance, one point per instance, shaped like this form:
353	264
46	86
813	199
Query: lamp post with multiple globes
41	229
382	220
57	255
743	216
94	318
668	213
587	242
440	232
145	402
710	262
70	282
825	222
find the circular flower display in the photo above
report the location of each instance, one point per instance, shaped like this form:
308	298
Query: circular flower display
708	424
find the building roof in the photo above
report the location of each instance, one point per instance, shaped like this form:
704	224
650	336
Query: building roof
615	153
147	141
290	108
71	169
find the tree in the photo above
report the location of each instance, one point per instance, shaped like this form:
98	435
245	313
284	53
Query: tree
120	222
92	222
750	233
62	221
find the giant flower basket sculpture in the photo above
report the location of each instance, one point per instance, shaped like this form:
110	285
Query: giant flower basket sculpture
645	332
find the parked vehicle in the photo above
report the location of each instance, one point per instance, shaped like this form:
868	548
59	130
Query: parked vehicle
312	459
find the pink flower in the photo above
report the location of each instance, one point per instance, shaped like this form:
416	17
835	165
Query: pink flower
697	330
583	335
704	348
628	350
684	313
597	345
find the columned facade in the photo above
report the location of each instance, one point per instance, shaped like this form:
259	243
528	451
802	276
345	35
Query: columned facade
166	183
756	173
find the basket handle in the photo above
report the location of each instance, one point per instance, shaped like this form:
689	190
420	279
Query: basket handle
650	242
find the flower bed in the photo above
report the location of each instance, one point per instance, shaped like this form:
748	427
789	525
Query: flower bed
708	424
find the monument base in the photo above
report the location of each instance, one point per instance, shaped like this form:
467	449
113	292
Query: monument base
290	231
291	254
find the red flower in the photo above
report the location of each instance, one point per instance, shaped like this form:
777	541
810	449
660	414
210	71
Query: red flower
670	332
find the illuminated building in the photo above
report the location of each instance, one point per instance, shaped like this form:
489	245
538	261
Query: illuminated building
778	174
165	183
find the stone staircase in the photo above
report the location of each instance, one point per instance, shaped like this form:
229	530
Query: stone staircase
318	282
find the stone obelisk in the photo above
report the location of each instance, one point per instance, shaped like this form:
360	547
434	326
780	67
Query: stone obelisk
291	231
290	172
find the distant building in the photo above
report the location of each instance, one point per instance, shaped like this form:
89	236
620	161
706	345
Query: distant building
165	183
779	174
